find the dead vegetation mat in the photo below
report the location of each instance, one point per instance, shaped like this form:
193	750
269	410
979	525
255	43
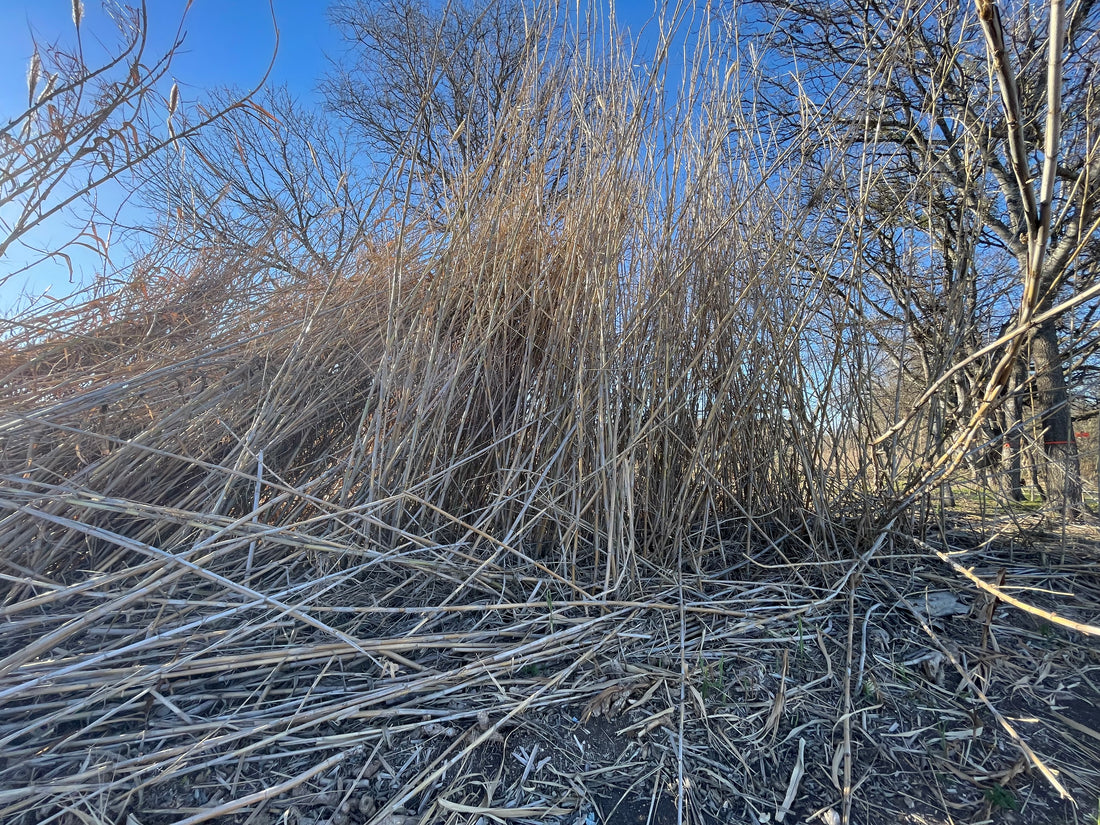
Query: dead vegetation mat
331	683
361	570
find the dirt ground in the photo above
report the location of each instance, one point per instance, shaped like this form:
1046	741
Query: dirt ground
749	694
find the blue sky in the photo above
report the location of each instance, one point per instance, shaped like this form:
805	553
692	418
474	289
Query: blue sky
228	43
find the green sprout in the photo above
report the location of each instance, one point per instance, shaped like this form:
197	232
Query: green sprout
1001	797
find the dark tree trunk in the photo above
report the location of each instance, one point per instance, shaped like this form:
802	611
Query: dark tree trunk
1063	466
1013	435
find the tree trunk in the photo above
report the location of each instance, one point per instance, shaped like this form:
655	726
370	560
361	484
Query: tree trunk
1013	412
1063	466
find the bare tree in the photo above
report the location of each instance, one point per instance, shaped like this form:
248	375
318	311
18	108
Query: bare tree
275	183
425	84
941	182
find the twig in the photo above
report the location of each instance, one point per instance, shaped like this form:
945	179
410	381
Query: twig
265	794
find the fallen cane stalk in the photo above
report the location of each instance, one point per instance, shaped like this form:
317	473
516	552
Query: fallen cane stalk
1029	754
265	794
792	786
846	790
1053	618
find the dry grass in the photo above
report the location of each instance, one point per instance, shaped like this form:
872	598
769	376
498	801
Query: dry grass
349	549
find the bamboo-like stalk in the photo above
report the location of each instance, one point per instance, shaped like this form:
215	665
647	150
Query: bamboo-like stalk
592	438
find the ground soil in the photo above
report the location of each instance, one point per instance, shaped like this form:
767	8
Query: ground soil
901	694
